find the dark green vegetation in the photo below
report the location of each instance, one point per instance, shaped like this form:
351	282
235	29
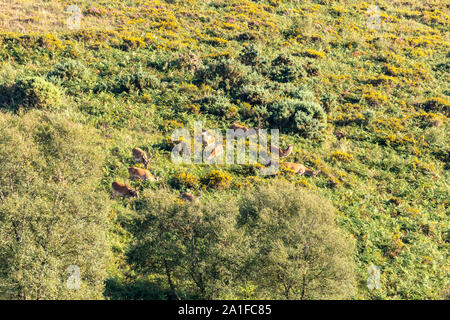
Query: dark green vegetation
366	108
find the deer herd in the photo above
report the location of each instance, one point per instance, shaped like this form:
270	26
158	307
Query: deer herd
123	190
139	156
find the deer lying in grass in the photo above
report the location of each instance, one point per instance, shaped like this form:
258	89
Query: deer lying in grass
236	126
140	156
189	197
247	131
122	190
299	169
141	174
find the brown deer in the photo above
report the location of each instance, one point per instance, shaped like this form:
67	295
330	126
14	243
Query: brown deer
207	138
122	190
246	130
236	126
189	197
299	169
216	152
140	156
282	153
141	174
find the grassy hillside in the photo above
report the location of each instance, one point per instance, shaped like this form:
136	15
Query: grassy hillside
136	70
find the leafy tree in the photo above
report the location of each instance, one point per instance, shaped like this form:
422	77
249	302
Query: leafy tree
51	214
195	246
300	251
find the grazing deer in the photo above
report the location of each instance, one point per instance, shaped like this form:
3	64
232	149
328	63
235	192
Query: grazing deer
216	152
207	138
140	156
236	126
189	197
282	153
246	130
299	169
122	190
141	174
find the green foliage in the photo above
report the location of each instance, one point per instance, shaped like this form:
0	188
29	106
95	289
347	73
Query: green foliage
69	70
383	160
135	81
301	114
301	253
285	68
223	73
35	92
251	56
216	105
194	246
51	214
255	94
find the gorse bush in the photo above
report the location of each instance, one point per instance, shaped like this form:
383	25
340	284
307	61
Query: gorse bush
285	68
255	94
251	56
301	114
223	73
69	70
35	92
300	251
216	179
216	105
136	81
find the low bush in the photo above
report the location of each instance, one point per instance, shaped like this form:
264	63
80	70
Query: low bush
301	114
69	70
285	69
35	92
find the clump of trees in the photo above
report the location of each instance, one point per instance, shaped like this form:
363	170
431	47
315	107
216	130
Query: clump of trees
277	241
52	215
299	250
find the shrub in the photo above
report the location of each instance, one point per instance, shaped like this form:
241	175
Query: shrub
185	180
223	73
69	70
36	92
285	69
255	94
302	114
310	53
250	56
189	60
341	156
437	104
217	105
136	81
300	252
217	180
